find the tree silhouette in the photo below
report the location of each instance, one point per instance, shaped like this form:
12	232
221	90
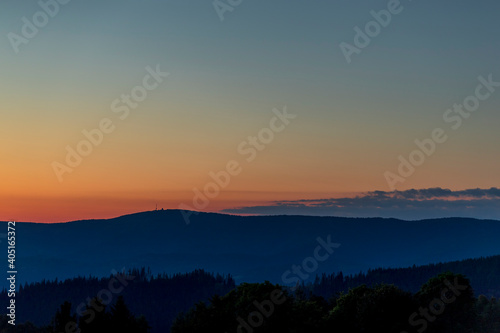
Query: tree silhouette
63	321
450	299
225	314
122	320
95	318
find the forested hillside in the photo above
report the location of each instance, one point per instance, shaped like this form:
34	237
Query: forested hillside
484	275
161	298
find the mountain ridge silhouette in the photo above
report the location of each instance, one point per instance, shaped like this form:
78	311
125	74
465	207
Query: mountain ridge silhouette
251	248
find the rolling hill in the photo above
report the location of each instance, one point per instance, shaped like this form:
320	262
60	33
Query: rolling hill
251	248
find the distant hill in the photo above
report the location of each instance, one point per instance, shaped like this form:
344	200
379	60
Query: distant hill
253	248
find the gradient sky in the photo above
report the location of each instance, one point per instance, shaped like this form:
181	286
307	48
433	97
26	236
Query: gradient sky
352	120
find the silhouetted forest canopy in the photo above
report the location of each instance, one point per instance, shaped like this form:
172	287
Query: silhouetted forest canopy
199	301
158	298
484	274
444	304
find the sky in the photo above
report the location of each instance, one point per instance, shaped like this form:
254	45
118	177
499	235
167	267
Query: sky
253	108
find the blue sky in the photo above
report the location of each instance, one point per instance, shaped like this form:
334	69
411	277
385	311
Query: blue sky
354	119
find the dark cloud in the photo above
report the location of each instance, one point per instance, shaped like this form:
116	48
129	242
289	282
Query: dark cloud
410	205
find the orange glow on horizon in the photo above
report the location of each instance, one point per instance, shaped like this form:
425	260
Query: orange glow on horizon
52	210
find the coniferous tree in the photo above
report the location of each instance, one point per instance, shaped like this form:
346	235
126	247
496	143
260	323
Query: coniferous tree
63	320
122	320
95	318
